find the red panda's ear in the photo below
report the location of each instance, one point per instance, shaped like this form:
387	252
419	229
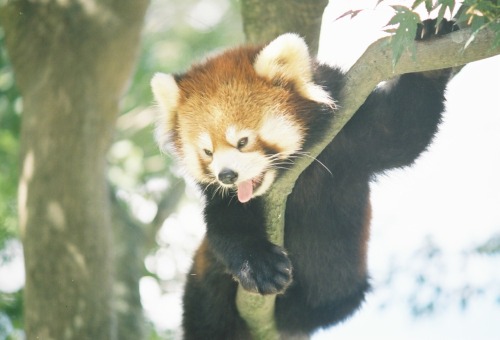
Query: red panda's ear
166	92
286	58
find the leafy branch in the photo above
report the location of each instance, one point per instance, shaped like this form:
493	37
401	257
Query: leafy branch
475	14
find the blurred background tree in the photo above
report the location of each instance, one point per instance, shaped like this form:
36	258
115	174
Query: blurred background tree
144	191
71	63
10	111
10	120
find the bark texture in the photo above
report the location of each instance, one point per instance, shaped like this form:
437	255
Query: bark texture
265	20
71	60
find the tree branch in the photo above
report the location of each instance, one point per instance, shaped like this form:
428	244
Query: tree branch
374	66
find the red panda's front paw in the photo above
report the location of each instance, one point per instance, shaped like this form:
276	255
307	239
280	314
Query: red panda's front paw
266	271
428	30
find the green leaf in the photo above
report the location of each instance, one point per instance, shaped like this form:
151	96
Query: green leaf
447	4
444	5
476	27
477	23
404	36
495	26
428	5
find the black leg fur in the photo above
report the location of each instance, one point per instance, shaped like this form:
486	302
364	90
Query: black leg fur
209	301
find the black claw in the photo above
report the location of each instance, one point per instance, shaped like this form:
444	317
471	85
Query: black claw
269	271
429	28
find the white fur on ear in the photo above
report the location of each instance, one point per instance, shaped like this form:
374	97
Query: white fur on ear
166	93
287	57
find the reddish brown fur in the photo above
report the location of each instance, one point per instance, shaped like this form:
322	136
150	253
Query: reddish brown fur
363	252
224	91
201	260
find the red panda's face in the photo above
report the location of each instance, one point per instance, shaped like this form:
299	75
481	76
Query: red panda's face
234	138
231	121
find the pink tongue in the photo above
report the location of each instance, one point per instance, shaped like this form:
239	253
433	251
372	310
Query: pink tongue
245	191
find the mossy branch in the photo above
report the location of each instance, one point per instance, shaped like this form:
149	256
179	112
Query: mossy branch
374	66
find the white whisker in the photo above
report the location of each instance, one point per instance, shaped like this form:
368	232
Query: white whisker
315	159
278	163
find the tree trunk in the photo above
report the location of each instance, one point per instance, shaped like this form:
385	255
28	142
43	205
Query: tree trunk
129	239
71	61
264	20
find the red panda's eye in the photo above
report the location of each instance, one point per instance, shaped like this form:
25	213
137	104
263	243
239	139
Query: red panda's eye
242	142
208	152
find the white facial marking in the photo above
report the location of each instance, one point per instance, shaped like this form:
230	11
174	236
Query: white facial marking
266	183
233	135
191	162
248	165
205	142
283	132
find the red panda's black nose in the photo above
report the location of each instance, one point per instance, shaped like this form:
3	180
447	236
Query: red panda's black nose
228	176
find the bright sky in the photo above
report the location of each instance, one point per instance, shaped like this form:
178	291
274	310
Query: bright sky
452	195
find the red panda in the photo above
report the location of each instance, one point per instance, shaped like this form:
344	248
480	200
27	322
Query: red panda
235	122
248	125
